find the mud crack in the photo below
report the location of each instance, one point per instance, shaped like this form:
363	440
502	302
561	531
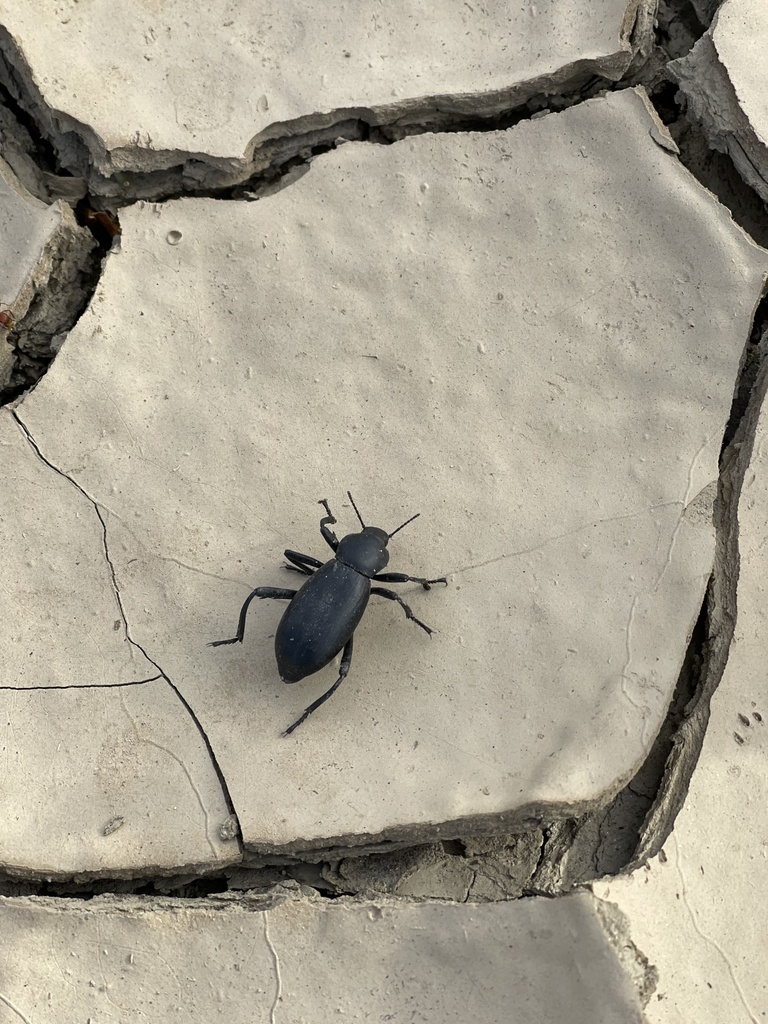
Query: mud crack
126	630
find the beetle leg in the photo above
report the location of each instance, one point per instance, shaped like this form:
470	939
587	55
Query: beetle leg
328	535
275	592
392	596
302	563
400	577
346	661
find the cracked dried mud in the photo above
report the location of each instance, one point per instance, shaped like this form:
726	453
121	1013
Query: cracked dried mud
503	267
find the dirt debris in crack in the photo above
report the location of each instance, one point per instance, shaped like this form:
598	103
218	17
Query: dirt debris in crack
67	274
31	157
678	26
56	152
754	357
62	283
184	886
284	160
39	335
714	170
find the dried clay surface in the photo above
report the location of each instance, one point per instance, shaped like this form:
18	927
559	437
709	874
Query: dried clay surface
707	889
536	338
58	602
545	374
107	781
209	84
724	81
290	959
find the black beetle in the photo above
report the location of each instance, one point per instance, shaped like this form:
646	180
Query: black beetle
323	615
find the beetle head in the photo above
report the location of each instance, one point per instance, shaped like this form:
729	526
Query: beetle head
365	551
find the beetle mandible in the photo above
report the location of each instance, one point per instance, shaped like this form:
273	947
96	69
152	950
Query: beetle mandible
323	614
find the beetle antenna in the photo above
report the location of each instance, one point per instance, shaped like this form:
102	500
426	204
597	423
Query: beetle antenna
354	506
391	535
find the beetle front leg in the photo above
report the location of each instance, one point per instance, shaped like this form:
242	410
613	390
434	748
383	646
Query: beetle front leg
305	564
392	596
346	661
262	592
328	535
401	577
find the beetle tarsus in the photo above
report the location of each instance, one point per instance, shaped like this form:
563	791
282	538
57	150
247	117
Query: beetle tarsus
428	584
331	517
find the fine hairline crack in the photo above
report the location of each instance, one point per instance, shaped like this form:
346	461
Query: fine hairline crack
116	590
113	578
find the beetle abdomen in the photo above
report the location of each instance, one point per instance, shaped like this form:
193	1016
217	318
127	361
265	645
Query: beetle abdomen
319	620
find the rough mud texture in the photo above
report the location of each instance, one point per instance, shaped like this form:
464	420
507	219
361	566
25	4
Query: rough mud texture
477	869
524	318
300	958
292	71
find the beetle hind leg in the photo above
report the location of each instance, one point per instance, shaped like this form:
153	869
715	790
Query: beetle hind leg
346	661
277	593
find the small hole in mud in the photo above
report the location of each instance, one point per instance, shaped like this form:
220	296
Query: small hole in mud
455	847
